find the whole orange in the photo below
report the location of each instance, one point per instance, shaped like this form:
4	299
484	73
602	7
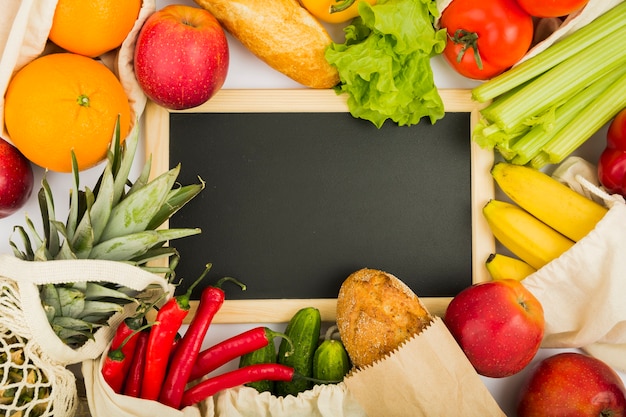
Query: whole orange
93	27
63	102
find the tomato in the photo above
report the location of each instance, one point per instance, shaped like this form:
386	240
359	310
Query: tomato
612	162
485	38
616	135
551	8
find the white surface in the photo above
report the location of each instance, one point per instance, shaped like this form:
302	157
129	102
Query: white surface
246	71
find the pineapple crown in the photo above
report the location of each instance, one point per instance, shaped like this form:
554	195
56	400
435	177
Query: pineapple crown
117	220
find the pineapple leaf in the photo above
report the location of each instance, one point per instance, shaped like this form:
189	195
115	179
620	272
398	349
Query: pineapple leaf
177	198
122	170
100	308
117	151
72	301
39	241
71	337
134	213
83	239
72	323
156	253
143	178
27	254
130	246
98	292
65	252
50	297
72	217
42	253
100	211
52	235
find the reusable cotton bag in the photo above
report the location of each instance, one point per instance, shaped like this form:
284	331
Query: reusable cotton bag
582	291
24	28
21	312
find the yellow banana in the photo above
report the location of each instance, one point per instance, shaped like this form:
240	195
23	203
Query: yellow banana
502	266
525	236
549	200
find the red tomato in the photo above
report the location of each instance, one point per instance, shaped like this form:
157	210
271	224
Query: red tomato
551	8
611	170
616	136
485	38
612	162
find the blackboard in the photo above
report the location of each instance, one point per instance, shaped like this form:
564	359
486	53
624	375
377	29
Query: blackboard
297	199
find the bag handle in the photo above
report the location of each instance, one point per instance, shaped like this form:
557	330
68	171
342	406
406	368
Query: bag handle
30	274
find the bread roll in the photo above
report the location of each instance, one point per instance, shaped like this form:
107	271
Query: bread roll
376	312
282	33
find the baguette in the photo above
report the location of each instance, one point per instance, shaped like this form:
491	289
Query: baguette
376	313
281	33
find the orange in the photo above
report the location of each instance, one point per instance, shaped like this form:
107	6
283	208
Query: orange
93	27
63	102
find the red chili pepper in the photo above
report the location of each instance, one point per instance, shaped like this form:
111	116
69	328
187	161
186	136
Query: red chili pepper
117	361
126	328
217	355
245	375
132	387
187	349
161	340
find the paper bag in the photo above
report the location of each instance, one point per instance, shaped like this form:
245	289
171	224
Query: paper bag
427	376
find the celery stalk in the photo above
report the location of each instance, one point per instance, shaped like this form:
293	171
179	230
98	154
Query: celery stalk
559	83
601	28
540	160
530	144
599	112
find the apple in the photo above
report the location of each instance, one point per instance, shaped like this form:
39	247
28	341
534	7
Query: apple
16	179
181	56
499	325
572	384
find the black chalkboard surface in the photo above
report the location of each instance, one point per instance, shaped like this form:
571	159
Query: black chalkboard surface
297	200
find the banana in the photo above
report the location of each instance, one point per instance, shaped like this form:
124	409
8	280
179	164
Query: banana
507	267
528	238
554	203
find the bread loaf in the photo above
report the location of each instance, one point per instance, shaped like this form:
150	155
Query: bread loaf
376	313
282	33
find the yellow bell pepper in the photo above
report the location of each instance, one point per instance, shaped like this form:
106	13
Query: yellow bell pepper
333	11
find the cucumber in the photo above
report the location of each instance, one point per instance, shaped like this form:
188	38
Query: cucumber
304	332
265	354
331	362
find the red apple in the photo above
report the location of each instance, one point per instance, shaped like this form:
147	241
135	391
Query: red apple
16	179
574	385
498	324
181	56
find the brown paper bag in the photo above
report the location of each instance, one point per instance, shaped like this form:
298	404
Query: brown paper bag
427	376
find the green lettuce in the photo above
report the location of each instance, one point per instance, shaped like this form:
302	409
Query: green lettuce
384	63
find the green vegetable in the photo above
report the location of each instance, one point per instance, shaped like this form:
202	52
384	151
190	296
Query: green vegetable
330	362
304	332
265	354
549	105
384	64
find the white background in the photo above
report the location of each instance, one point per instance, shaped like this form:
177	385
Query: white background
246	71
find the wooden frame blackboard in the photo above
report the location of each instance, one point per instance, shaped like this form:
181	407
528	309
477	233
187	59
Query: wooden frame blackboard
249	102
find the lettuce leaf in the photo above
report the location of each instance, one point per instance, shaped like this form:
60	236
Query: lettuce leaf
384	63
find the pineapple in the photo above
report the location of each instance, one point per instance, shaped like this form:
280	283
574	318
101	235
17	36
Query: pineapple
24	387
118	221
